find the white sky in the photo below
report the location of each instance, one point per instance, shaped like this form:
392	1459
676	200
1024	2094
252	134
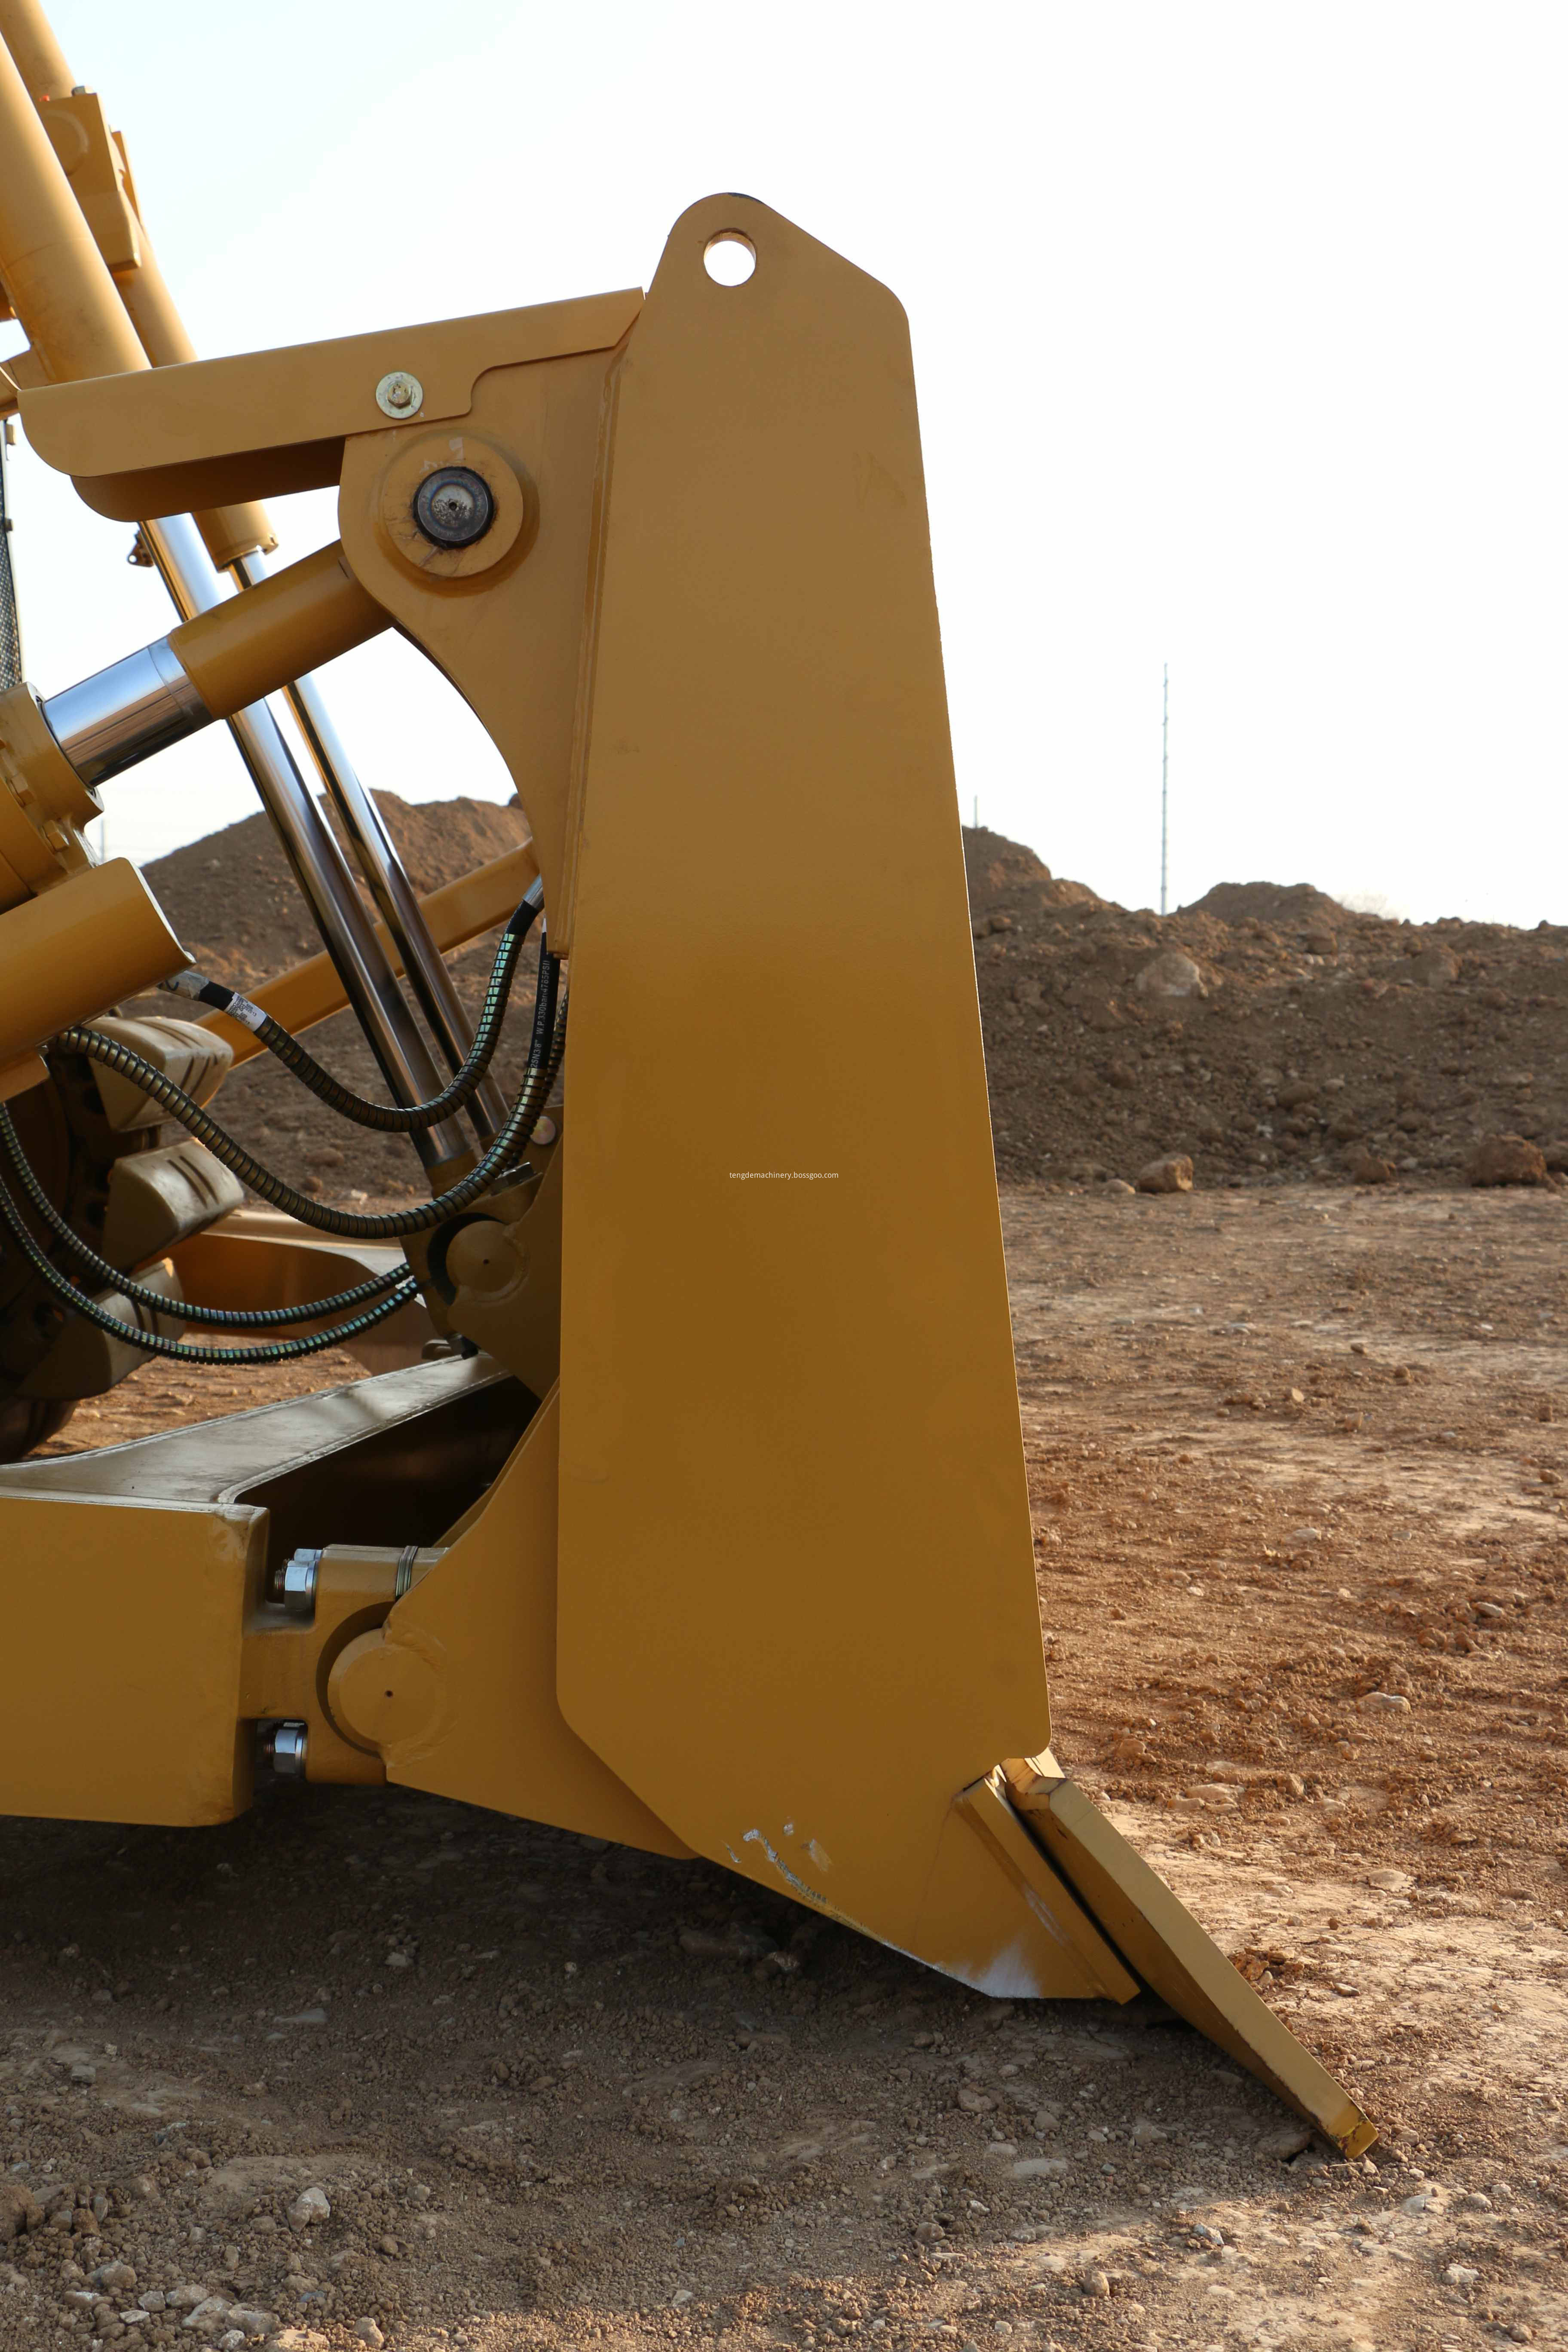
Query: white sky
1238	334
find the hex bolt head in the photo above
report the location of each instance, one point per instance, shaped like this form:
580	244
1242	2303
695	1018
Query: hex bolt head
400	394
453	506
284	1745
294	1584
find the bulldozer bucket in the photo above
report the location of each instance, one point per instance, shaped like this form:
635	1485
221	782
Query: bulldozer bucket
757	1581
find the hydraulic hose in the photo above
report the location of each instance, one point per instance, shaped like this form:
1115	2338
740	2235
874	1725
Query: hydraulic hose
390	1118
545	1052
153	1343
228	1318
545	1060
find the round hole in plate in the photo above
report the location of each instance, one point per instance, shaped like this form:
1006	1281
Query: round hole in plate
729	257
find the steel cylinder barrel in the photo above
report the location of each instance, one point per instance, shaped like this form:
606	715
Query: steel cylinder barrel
247	647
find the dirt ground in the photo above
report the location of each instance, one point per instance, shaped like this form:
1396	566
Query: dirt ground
1290	1450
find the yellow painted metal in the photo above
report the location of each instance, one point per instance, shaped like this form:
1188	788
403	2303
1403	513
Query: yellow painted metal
286	1662
132	1583
514	504
1039	1888
95	937
22	371
1160	1937
792	1468
79	131
497	1279
240	650
269	422
94	161
122	1645
31	37
460	1691
260	1257
510	640
58	282
43	802
459	911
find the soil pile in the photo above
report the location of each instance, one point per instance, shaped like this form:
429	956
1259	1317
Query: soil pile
1267	1029
235	903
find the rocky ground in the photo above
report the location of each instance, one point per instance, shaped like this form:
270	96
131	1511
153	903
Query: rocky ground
1298	1459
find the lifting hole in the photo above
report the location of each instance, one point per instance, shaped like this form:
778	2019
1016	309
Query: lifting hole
729	257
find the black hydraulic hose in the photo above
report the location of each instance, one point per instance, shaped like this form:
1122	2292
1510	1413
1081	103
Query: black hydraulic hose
153	1343
389	1118
224	1319
543	1059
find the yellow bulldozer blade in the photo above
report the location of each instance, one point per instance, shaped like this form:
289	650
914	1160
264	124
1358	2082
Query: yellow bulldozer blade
723	1543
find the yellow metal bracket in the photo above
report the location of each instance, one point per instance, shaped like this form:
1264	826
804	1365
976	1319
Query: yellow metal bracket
267	423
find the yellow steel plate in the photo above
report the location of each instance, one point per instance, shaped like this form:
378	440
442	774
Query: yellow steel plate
797	1608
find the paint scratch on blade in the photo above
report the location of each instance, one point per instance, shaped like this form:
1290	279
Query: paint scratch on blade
796	1885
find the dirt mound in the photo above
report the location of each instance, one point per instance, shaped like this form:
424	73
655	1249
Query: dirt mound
1002	871
1294	1042
233	901
1288	905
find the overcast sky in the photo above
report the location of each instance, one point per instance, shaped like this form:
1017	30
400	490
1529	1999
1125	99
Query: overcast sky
1238	333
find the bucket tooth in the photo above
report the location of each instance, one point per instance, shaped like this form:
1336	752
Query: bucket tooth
1163	1945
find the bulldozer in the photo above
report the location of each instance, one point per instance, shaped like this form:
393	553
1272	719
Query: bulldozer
691	1509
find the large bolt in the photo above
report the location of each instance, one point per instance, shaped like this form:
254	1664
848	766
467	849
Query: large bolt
284	1744
453	506
400	394
294	1584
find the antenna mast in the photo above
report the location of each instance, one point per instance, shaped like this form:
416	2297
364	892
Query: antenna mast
1165	790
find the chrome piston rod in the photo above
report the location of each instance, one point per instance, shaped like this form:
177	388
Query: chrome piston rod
123	714
319	867
375	853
